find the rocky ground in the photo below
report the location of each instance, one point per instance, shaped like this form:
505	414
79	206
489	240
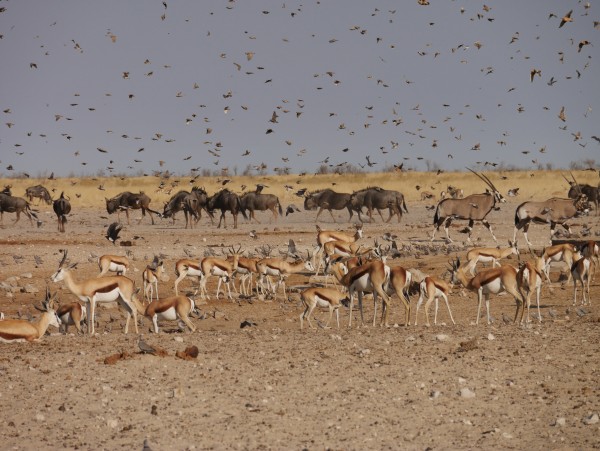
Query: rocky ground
273	386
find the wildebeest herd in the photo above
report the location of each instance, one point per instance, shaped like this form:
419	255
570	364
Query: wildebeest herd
357	268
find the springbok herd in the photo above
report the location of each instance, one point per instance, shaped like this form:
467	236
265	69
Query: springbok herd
357	269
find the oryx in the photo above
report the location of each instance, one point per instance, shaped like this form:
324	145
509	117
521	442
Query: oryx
472	208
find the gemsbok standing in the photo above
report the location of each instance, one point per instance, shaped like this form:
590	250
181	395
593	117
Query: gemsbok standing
98	290
554	211
472	208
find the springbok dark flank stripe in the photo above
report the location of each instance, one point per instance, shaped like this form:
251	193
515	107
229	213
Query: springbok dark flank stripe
108	288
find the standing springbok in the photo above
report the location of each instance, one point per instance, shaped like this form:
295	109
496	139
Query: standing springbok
489	254
150	276
529	279
62	207
246	268
71	314
187	268
582	271
19	330
100	289
400	280
472	208
174	308
371	277
222	268
324	236
566	252
113	263
321	297
554	211
280	268
489	281
433	288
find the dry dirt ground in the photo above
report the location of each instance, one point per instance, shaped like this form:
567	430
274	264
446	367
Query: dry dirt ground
273	386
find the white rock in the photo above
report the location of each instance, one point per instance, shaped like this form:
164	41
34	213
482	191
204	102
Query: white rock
441	337
491	336
178	339
462	380
561	421
592	419
466	393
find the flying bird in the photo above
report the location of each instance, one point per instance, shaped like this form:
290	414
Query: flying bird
112	233
566	18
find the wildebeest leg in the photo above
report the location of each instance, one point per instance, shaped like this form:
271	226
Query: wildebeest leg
319	213
252	216
567	228
127	214
234	219
489	227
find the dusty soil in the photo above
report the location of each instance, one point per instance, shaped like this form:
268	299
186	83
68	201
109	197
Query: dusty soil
273	386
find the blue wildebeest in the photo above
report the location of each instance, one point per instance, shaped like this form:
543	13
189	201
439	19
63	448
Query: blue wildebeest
130	201
472	208
18	205
62	207
375	198
554	211
39	192
257	201
191	204
225	200
327	199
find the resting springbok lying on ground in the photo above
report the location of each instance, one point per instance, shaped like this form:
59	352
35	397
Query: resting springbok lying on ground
321	297
100	289
113	263
19	330
173	308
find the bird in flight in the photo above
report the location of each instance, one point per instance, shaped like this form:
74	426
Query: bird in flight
566	18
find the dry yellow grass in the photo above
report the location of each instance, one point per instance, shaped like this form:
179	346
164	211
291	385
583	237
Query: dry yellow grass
85	192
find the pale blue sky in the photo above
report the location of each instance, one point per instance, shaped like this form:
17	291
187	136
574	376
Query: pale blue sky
407	83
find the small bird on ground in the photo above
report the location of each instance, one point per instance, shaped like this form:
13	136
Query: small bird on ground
112	233
253	234
291	209
144	347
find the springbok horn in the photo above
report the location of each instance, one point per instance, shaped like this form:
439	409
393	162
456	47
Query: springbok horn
64	258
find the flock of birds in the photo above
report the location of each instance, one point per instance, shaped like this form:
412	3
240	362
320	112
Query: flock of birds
410	129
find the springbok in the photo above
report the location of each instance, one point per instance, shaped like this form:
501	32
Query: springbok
113	263
433	288
529	279
222	268
174	308
472	208
150	276
371	277
489	254
280	268
246	268
321	297
324	236
582	271
565	252
19	330
400	280
554	211
100	289
71	314
489	281
187	268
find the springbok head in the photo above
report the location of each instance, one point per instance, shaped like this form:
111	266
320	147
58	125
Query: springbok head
63	267
49	305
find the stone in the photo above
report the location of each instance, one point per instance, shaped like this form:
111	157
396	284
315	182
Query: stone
467	393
